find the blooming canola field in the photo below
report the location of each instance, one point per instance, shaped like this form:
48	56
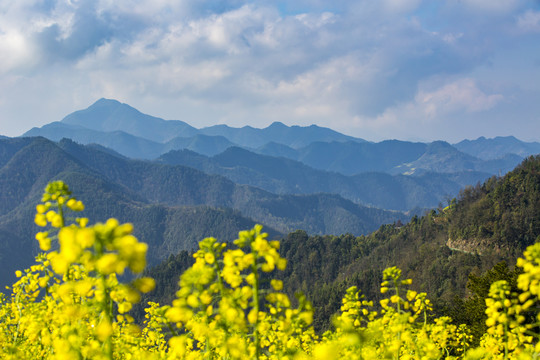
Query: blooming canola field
72	304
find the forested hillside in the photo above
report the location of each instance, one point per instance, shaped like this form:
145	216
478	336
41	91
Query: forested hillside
502	215
494	221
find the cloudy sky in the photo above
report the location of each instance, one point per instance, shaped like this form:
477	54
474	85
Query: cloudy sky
404	69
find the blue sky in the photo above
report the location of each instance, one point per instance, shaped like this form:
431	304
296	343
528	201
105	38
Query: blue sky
401	69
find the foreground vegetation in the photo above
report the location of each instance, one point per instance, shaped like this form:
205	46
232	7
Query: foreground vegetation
73	304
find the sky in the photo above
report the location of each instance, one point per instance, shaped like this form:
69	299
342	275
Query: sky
386	69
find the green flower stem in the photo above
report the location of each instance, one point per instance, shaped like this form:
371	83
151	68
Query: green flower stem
256	306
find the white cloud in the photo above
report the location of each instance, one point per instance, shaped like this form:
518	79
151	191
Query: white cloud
434	107
491	6
452	38
529	21
459	95
16	52
400	6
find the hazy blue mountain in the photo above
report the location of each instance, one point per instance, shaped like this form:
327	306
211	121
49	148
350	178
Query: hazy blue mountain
498	147
277	150
57	130
119	141
202	144
285	176
135	135
292	136
442	157
116	125
130	145
395	157
110	115
351	157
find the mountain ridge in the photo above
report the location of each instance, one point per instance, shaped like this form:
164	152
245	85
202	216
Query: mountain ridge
131	133
495	148
282	176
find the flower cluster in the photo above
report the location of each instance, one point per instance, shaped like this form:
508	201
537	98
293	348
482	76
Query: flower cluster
513	319
71	304
218	309
399	330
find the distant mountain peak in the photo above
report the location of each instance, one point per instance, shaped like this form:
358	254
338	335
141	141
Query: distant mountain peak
104	101
101	112
508	138
498	147
439	145
109	115
277	124
109	105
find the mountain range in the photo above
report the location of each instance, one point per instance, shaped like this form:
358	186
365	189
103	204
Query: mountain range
391	174
136	135
179	184
489	149
285	176
171	206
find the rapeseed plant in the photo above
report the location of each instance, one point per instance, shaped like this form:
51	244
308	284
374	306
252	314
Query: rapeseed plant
72	305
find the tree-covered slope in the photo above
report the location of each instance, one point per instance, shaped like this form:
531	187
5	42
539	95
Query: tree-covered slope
324	266
501	215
